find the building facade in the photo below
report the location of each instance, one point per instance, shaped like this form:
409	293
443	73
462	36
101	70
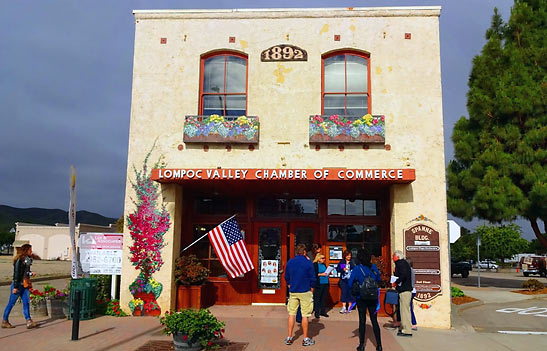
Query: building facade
310	125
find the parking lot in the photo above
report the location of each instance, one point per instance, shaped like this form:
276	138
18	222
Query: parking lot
501	279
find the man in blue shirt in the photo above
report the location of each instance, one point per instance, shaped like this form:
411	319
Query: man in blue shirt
300	278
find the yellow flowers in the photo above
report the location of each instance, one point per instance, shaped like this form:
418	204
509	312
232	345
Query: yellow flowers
137	302
216	119
154	283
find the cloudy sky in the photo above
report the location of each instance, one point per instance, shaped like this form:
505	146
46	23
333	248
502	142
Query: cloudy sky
65	89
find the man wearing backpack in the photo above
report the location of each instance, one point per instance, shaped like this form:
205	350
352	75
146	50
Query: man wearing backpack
364	281
403	285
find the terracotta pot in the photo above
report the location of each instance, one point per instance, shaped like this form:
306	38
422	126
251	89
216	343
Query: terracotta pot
154	313
184	345
190	296
137	312
145	296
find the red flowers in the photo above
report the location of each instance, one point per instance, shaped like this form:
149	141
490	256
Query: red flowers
185	337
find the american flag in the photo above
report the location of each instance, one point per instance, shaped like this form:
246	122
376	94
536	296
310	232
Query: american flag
230	247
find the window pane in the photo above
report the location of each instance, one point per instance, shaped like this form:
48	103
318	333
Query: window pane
219	205
354	207
337	233
334	105
356	68
334	74
303	206
371	208
374	249
372	234
235	105
354	233
213	75
357	105
236	74
217	270
213	104
336	207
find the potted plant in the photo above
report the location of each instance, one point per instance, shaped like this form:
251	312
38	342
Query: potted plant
113	309
56	304
190	276
38	305
192	329
135	305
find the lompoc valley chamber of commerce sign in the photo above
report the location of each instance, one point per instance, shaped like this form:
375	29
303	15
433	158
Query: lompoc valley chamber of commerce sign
422	246
101	253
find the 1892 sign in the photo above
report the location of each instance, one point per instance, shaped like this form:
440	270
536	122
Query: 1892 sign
422	246
284	52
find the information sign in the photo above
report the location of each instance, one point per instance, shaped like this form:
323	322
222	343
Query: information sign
101	253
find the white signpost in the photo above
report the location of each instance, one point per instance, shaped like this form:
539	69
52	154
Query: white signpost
101	253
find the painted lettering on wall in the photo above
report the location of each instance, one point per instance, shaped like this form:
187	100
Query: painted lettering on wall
394	175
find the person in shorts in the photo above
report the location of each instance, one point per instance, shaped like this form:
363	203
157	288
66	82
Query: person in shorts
300	278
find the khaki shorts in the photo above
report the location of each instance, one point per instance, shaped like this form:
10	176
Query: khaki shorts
304	300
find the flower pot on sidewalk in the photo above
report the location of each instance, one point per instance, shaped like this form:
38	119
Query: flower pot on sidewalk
57	309
182	343
38	309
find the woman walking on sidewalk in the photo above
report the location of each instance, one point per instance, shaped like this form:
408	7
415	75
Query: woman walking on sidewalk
20	286
364	270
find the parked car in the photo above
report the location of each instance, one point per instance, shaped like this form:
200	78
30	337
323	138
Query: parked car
488	264
533	265
462	268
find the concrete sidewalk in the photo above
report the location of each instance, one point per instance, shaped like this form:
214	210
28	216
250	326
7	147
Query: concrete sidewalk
264	328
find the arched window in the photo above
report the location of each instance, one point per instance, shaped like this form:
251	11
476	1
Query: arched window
346	84
223	86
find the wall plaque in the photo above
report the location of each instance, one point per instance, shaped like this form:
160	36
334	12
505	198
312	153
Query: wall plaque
422	246
284	52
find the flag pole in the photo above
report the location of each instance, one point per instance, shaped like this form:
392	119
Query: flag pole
203	236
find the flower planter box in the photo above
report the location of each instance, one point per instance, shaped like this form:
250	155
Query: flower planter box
191	296
39	309
341	130
181	343
219	129
57	309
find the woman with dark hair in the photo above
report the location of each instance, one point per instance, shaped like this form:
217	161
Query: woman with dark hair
361	272
344	268
20	286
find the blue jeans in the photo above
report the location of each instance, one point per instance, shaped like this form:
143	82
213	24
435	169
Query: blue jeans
25	297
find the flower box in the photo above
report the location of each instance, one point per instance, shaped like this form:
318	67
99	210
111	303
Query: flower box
191	296
57	309
368	129
221	129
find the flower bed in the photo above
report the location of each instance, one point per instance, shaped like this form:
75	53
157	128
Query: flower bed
219	129
337	129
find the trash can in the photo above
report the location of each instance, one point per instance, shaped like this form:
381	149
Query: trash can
88	302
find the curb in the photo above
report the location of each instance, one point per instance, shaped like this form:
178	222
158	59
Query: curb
41	279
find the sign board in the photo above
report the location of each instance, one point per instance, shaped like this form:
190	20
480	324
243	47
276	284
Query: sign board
283	52
422	246
101	253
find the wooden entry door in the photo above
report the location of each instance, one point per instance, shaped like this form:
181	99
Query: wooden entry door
302	233
271	256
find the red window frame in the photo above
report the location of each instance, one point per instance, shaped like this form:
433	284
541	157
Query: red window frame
345	92
202	72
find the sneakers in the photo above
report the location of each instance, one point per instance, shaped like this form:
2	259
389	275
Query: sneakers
308	342
31	324
325	315
400	333
6	324
343	309
289	340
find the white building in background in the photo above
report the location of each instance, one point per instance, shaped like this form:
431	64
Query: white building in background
52	242
454	231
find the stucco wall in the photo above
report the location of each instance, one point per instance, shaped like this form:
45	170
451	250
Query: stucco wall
405	87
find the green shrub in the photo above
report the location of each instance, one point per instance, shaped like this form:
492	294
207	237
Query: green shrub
103	287
532	285
456	292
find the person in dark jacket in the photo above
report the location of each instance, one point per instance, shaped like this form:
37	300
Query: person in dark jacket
300	278
344	268
21	272
321	286
403	285
363	270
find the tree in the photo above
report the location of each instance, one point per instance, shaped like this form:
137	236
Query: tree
465	248
501	242
500	168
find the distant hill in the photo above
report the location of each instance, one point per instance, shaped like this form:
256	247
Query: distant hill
10	215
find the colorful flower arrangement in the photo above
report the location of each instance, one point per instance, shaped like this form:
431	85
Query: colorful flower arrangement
113	309
36	296
150	286
224	126
336	125
190	271
195	326
135	303
51	293
150	306
147	226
